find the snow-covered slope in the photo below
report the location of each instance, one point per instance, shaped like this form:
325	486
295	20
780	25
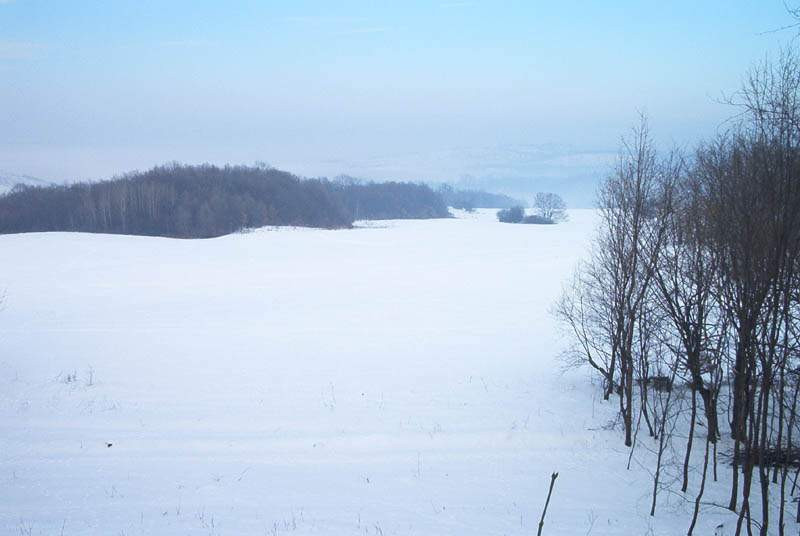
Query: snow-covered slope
9	180
400	378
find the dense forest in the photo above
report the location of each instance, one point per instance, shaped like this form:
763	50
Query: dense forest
206	201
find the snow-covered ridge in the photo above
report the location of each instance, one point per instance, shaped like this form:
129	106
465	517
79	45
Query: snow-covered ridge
8	180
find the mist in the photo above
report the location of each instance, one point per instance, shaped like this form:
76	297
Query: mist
434	92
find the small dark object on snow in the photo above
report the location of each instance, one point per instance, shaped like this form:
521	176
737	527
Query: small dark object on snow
662	384
773	456
109	445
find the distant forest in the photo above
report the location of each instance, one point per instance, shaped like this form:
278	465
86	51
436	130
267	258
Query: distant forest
470	199
206	201
389	200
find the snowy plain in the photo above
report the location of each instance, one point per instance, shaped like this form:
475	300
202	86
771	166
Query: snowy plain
402	377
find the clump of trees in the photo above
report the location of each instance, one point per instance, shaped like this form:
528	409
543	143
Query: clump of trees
693	282
206	201
549	208
511	215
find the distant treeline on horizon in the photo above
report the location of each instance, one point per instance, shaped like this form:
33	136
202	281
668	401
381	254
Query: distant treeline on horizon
204	201
469	199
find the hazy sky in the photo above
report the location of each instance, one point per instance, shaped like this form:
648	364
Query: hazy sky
93	88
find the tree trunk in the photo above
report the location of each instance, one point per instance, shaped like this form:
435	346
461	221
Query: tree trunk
688	456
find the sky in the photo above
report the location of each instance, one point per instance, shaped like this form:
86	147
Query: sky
383	90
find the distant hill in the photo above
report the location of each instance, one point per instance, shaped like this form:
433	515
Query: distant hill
9	180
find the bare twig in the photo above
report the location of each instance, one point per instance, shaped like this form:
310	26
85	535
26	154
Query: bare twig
547	502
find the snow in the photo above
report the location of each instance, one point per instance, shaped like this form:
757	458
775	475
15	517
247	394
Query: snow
398	378
8	180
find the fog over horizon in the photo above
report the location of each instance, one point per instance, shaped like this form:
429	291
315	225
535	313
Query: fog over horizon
464	92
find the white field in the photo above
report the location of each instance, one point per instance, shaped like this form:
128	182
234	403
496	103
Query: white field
401	378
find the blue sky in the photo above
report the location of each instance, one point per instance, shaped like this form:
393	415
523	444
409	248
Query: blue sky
379	89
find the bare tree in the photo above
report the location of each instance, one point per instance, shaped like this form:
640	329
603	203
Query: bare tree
628	248
550	207
604	307
685	282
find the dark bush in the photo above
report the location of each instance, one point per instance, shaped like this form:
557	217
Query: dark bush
536	219
773	456
511	215
662	384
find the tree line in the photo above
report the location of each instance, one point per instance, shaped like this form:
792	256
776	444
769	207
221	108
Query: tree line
688	307
204	201
472	199
389	200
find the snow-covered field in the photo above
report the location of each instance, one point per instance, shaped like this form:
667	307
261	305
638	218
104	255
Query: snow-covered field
400	378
